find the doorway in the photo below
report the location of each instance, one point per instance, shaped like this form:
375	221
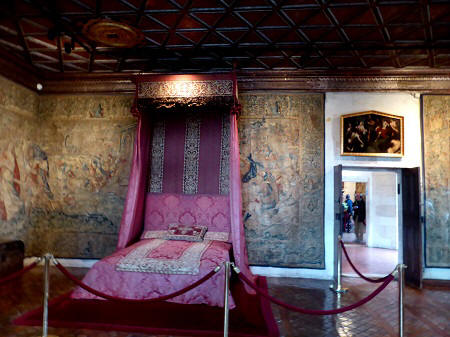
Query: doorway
376	251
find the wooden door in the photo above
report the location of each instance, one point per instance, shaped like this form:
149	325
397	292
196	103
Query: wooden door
337	212
412	229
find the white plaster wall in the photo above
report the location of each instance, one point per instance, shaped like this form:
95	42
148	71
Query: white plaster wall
382	204
382	219
337	104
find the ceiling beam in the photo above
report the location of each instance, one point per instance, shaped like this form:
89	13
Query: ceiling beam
129	51
296	28
60	54
57	19
254	57
426	20
212	29
382	29
18	70
343	35
91	60
98	8
183	12
20	34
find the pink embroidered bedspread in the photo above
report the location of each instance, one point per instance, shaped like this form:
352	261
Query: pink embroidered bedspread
156	267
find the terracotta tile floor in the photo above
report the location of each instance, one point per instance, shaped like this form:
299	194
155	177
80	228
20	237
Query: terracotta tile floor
369	261
427	311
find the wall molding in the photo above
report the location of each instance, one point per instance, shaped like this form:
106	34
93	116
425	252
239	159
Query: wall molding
423	80
417	81
247	82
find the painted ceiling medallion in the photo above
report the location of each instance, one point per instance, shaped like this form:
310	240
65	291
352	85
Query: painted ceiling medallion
112	33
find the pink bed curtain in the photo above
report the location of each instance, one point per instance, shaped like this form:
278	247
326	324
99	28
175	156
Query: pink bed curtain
133	215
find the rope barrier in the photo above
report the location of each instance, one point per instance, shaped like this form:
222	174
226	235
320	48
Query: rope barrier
316	312
129	300
20	272
378	280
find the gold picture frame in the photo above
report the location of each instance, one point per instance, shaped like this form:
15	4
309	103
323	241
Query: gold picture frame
372	133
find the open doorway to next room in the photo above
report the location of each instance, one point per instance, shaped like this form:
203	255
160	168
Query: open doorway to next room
375	250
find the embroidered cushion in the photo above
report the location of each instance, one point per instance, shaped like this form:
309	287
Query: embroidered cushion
186	233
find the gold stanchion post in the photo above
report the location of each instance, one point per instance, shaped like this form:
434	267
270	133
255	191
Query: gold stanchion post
225	301
338	287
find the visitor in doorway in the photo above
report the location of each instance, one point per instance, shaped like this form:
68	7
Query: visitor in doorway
349	204
345	217
360	218
348	215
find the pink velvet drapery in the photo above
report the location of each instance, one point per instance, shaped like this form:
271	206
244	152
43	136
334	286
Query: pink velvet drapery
133	215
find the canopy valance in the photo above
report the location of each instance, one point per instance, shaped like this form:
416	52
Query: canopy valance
186	92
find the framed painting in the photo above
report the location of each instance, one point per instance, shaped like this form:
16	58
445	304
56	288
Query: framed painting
372	133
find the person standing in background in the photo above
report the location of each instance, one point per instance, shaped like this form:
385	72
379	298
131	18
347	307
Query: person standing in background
348	216
349	204
360	218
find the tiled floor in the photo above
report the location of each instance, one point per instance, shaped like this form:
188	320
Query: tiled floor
369	261
427	312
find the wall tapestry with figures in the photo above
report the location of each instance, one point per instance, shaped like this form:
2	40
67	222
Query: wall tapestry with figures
282	168
63	180
89	142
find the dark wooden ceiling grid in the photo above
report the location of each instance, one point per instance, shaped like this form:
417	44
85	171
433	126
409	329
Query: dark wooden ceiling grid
220	35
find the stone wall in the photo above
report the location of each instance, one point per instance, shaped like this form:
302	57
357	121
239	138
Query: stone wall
437	178
282	168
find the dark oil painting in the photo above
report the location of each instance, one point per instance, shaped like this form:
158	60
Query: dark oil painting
372	133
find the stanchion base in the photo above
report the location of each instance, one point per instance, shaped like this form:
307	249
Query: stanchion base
338	290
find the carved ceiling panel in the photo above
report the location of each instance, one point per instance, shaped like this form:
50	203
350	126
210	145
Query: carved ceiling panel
211	36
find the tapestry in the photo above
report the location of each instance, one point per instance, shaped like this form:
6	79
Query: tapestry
436	135
24	167
190	154
63	180
282	169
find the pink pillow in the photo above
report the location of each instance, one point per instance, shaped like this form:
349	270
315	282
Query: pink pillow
185	232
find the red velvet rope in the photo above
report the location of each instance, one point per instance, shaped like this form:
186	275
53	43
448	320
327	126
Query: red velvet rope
377	280
317	312
19	273
129	300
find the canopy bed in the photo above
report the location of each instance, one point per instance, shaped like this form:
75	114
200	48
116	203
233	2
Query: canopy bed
183	210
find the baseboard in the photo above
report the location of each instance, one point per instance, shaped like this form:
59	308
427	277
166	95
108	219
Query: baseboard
428	283
320	274
76	263
353	275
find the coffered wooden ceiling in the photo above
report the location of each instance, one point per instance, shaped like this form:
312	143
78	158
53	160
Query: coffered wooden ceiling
219	35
